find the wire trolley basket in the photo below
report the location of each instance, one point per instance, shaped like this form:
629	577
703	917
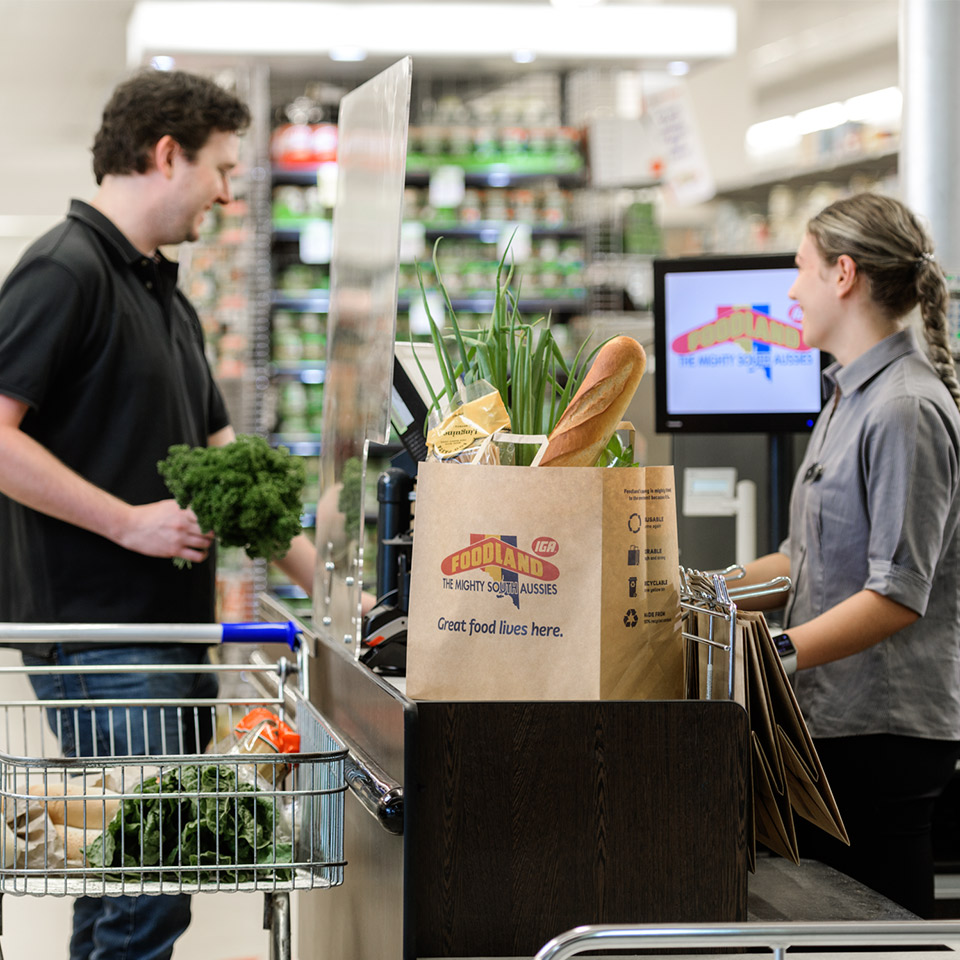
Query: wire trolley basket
83	816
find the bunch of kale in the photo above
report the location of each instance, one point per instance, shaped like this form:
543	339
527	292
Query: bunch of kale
237	835
246	492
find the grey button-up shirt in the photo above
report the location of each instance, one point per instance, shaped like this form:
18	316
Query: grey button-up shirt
875	505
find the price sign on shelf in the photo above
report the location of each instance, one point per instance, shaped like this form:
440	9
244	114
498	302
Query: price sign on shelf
686	173
316	241
413	241
419	322
447	185
327	184
519	238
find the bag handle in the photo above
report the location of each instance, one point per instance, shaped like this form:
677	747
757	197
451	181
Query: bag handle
631	431
539	438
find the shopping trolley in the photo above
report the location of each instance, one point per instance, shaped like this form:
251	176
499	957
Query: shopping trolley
172	819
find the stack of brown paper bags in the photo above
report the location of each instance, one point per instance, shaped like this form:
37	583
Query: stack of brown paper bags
788	777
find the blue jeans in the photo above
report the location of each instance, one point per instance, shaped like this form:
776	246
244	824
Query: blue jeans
127	928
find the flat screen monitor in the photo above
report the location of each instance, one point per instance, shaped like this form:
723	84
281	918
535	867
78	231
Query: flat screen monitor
730	354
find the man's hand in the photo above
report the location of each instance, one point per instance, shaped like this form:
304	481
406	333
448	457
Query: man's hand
162	529
32	475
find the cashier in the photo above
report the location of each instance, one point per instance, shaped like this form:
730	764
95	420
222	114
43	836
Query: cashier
873	550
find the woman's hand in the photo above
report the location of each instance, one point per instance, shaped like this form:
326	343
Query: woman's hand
852	625
763	570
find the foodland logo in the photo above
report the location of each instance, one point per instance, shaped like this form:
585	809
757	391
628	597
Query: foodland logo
504	562
502	553
750	328
744	326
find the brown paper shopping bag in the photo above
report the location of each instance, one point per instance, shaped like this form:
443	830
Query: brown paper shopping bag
810	794
788	778
544	584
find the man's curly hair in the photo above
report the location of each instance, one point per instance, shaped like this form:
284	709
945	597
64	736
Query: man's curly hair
155	103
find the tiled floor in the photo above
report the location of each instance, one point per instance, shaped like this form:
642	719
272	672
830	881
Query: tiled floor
225	927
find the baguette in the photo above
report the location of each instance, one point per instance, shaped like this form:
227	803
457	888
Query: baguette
591	417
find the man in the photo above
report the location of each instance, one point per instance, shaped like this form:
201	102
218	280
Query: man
102	368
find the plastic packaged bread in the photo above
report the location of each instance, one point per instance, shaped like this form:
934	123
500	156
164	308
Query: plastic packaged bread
11	847
591	417
75	840
98	807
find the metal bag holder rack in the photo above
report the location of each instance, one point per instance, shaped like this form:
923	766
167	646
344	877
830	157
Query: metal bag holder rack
713	595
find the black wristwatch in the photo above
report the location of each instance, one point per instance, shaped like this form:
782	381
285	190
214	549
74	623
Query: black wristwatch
787	651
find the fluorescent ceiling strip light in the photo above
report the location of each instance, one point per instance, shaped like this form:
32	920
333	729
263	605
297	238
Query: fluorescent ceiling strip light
878	106
821	118
770	136
443	30
348	54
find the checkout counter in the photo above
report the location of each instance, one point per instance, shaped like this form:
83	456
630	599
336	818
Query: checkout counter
519	820
483	829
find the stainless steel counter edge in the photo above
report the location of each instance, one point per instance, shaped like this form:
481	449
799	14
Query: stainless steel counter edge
379	793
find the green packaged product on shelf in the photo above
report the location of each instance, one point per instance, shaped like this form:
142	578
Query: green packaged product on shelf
313	346
286	345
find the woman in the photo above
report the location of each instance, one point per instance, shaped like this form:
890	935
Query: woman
873	549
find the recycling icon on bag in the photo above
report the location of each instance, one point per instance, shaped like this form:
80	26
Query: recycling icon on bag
630	618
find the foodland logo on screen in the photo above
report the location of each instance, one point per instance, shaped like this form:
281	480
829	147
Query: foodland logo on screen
499	557
750	328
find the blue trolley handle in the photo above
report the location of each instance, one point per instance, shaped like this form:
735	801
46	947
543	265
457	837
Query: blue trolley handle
258	632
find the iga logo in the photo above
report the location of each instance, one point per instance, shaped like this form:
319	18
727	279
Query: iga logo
504	562
545	546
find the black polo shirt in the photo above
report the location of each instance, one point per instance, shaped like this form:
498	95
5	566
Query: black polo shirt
108	354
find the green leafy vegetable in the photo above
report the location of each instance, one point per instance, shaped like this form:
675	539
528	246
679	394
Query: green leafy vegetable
170	825
350	500
521	360
617	455
247	493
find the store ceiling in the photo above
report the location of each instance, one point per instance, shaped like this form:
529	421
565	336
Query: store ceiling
636	35
789	40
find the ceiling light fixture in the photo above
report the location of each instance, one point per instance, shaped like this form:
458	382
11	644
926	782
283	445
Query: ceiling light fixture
821	118
771	136
608	32
880	107
348	54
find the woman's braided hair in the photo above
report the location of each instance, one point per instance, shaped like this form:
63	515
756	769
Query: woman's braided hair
894	253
